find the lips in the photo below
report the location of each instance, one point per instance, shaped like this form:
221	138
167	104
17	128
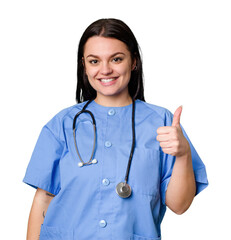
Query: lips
107	81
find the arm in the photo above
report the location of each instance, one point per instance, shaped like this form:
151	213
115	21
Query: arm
182	186
39	207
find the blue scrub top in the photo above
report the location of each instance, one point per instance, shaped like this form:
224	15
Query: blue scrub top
86	205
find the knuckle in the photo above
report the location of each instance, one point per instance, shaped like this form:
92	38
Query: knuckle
158	130
177	144
174	130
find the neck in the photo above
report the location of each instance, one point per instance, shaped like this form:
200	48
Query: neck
113	101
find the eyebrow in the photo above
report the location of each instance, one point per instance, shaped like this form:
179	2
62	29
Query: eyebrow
114	54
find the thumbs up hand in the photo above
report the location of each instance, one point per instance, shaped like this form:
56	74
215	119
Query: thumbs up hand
172	139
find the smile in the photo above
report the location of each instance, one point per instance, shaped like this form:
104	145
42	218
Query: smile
107	80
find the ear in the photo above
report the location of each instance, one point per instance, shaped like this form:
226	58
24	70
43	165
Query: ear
83	62
134	64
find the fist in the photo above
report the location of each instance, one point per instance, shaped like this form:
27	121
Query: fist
171	138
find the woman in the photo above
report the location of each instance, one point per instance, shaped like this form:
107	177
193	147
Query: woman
116	182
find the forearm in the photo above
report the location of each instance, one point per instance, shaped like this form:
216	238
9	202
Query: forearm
38	210
182	187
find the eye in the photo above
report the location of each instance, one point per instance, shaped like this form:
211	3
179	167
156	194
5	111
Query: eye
117	59
93	61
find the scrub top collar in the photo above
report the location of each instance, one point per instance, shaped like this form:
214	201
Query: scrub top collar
105	109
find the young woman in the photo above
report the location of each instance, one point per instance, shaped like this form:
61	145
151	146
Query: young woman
107	167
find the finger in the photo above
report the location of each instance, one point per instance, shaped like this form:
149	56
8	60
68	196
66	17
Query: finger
165	145
164	130
167	150
162	137
176	117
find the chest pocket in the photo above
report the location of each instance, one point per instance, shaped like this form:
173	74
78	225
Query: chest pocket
144	175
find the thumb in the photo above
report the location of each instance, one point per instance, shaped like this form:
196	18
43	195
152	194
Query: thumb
176	117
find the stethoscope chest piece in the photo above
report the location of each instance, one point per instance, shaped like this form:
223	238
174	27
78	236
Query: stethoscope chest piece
123	190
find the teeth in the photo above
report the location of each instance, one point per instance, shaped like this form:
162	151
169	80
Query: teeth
107	80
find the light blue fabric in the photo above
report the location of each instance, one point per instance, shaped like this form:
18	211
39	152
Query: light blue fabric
86	205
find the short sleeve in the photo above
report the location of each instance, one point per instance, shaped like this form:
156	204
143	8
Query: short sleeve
169	160
43	168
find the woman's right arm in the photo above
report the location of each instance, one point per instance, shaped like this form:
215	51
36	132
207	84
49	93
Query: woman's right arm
39	208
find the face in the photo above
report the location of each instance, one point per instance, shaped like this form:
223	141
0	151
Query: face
108	65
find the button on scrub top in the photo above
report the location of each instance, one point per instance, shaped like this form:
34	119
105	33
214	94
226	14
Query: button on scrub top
86	205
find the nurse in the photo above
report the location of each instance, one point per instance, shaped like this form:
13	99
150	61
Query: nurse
79	201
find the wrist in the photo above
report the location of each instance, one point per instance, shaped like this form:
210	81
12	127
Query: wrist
186	153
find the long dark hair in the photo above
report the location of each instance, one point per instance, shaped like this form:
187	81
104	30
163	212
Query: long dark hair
117	29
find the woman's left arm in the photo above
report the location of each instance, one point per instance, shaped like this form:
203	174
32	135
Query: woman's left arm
182	186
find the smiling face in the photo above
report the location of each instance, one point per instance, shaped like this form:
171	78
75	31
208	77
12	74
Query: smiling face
108	66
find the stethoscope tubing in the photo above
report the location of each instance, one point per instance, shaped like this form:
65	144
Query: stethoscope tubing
133	142
121	185
94	128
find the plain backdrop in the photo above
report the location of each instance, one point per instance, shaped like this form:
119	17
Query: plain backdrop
187	61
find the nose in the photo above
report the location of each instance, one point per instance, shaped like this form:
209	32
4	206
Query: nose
106	68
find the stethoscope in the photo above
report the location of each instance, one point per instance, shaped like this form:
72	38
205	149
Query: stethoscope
123	189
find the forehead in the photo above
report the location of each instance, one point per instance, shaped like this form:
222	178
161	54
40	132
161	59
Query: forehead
104	46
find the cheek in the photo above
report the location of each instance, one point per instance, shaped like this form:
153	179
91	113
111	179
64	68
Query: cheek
91	72
127	74
125	71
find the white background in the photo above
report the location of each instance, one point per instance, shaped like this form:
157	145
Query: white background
187	60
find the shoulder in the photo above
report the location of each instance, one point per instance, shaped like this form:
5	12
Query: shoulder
154	110
66	112
56	123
